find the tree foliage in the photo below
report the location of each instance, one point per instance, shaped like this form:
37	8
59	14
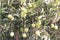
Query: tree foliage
29	19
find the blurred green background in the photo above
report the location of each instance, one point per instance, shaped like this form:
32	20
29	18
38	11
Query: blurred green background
29	19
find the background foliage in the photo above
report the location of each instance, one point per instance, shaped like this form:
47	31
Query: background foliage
29	19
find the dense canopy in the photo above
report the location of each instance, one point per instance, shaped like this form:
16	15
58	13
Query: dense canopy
29	19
